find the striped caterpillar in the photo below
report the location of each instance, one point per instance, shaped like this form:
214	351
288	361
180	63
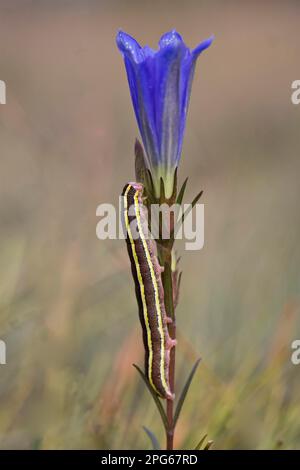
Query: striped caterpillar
146	272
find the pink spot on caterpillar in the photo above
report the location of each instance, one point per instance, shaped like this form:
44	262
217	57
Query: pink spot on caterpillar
137	186
170	343
170	396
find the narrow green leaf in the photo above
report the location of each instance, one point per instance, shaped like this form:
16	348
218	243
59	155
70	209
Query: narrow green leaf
196	199
154	396
185	391
153	438
181	192
194	202
178	287
199	445
185	214
179	280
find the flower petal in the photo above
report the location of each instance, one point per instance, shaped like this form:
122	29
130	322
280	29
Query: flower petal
129	47
140	79
167	112
171	40
202	46
160	85
188	70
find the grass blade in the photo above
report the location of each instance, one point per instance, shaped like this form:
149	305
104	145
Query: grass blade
199	445
185	391
196	199
153	438
154	396
192	205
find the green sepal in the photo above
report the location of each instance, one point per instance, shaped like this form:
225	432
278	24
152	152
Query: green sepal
149	187
181	192
162	195
174	193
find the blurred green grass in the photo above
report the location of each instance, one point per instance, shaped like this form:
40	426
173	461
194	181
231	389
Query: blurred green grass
67	307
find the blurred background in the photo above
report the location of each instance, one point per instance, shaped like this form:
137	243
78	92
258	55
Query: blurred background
68	313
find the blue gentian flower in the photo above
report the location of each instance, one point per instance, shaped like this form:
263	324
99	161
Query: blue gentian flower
160	86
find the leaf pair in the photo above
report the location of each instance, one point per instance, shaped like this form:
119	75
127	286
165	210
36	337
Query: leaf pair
159	405
191	206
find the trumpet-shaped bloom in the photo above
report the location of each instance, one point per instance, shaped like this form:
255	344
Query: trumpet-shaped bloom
160	86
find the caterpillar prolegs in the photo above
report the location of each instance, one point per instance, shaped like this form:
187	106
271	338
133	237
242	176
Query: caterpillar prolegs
146	272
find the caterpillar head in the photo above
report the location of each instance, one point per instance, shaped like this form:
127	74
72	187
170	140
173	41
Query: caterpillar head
138	187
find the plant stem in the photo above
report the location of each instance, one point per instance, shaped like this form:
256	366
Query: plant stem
168	290
165	256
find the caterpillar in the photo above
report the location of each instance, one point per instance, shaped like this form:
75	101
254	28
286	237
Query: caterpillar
146	272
